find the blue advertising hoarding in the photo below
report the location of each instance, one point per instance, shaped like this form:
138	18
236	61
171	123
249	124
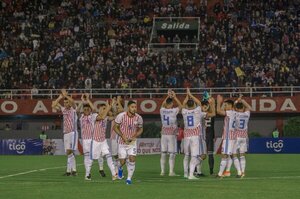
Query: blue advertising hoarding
21	147
274	145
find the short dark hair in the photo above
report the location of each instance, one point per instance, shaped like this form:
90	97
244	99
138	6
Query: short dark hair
169	100
86	106
205	103
239	105
229	102
101	105
65	98
131	102
190	103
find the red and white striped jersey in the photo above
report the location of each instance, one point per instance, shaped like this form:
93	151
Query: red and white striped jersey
87	123
113	134
193	121
69	120
241	124
169	120
229	126
100	130
171	130
128	125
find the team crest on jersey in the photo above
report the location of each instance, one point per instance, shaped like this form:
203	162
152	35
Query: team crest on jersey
131	127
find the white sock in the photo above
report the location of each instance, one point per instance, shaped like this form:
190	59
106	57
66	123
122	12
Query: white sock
199	166
110	164
193	163
229	163
130	169
116	163
222	166
163	162
73	163
100	162
69	163
87	163
186	164
172	162
243	163
237	165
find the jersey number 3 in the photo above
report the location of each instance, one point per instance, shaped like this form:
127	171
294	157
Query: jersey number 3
241	124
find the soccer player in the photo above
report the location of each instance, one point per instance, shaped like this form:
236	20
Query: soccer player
117	108
69	129
168	114
129	126
114	145
192	116
99	147
87	122
228	136
210	136
241	126
207	139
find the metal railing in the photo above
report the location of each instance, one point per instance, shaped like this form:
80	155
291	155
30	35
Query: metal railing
149	92
177	46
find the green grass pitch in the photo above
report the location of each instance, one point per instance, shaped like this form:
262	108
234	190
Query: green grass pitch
268	176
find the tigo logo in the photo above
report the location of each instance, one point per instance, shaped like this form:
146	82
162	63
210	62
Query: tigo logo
18	147
276	146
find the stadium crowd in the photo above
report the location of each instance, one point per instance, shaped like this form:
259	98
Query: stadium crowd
103	44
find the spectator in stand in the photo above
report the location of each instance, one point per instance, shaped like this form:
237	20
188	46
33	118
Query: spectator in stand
66	42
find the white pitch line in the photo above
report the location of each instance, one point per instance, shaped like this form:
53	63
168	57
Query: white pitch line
33	171
200	180
17	174
158	179
225	179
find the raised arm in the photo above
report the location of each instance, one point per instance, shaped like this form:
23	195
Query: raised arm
219	102
102	114
65	94
78	109
87	98
193	97
163	104
185	101
173	95
246	105
119	106
55	103
212	105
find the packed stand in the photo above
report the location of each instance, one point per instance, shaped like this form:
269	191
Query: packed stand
103	44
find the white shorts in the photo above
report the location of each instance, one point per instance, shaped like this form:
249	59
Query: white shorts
86	145
71	141
191	146
127	150
240	146
228	146
99	149
202	146
114	147
168	143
